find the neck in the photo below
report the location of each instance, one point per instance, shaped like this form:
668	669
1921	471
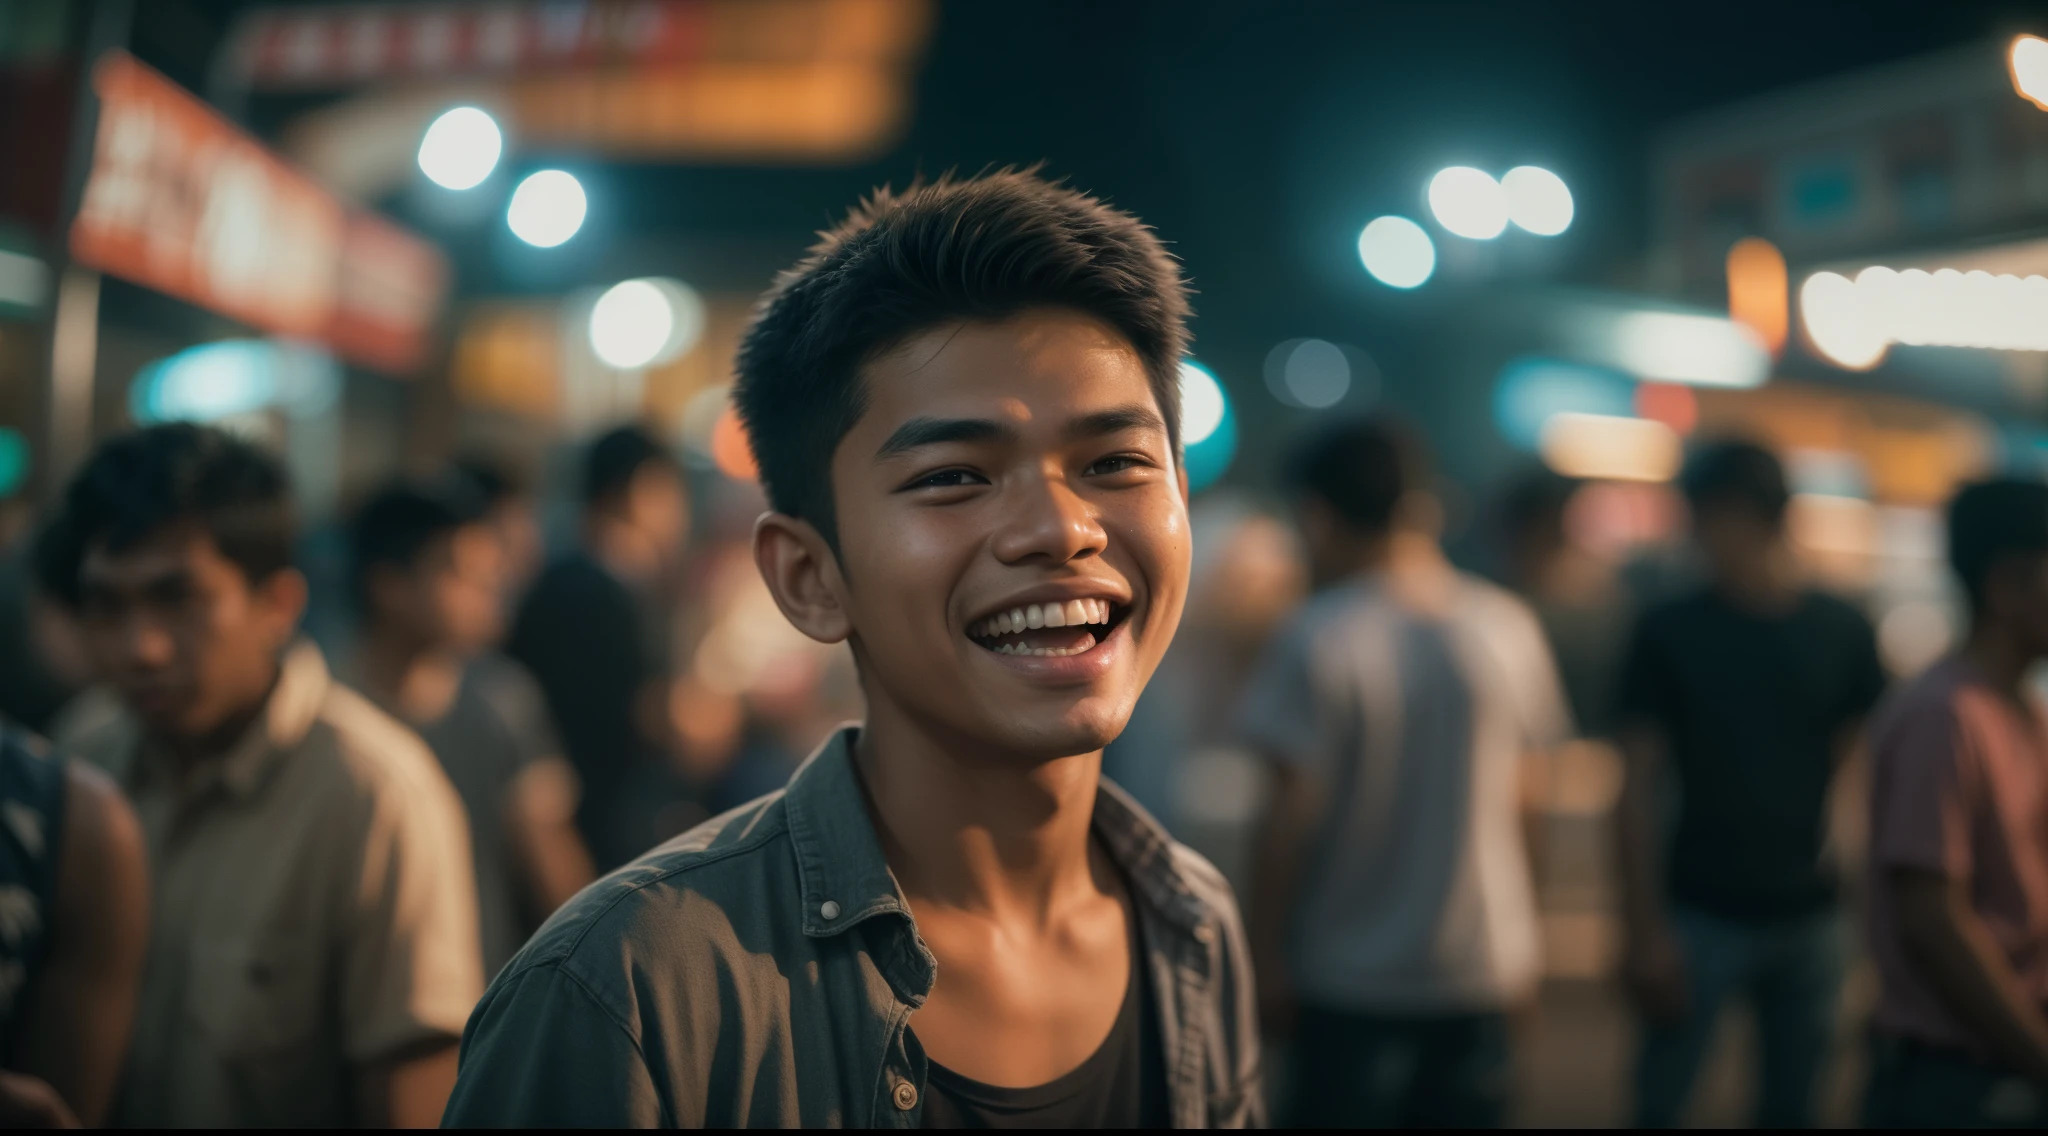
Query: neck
1769	583
622	548
963	830
192	751
1999	659
415	678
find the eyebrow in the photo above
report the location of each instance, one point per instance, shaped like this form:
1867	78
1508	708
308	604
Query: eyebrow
921	432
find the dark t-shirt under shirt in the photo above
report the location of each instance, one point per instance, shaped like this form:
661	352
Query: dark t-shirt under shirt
1751	706
1121	1085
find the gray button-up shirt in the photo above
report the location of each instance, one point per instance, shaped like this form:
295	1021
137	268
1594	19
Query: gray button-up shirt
762	969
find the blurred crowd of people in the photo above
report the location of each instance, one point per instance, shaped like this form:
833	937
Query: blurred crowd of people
274	874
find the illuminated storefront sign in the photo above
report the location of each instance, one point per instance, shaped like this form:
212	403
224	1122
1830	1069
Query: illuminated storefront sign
181	201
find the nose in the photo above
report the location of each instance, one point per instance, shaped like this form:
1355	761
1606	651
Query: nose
145	643
1044	519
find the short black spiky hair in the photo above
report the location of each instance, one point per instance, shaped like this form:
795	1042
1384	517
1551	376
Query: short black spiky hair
137	483
982	248
396	525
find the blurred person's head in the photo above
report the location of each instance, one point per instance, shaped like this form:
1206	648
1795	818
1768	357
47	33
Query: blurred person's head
1533	521
633	489
512	511
427	567
173	546
1248	573
1738	496
964	408
1359	486
1998	545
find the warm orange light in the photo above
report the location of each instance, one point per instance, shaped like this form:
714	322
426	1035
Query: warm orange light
1670	403
1758	291
730	450
2028	62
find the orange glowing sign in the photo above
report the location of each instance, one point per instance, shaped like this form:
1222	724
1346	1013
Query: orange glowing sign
1759	294
181	201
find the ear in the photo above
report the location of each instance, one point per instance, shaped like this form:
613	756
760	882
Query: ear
803	575
281	597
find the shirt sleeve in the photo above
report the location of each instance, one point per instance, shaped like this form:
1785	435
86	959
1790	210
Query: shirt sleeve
1277	716
540	1052
412	962
1920	794
1546	715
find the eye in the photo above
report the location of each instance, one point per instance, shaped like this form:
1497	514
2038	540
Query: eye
946	479
1118	463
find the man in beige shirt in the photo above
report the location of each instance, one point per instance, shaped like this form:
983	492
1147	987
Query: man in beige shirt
314	951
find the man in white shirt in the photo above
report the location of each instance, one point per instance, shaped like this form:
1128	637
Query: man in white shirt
1393	906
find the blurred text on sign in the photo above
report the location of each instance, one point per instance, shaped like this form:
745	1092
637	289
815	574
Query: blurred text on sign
182	201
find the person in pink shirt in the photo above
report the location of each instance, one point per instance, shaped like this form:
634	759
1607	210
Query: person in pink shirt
1959	845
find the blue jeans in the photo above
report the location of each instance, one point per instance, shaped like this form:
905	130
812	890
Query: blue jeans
1913	1085
1791	973
1358	1070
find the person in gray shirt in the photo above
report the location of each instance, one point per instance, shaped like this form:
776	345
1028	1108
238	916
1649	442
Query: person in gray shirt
427	571
965	409
1396	710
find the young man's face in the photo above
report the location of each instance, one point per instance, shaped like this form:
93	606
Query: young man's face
451	597
1013	531
184	636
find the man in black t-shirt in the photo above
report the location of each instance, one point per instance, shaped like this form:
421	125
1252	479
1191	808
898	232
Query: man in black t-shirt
594	631
1745	696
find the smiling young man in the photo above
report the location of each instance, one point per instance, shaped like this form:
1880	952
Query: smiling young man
964	407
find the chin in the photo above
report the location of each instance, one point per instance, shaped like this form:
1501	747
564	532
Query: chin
1087	726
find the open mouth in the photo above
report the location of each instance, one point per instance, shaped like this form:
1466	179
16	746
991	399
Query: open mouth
1054	630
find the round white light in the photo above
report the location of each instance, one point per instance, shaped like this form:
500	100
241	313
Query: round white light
630	324
1839	322
1316	374
1397	252
1538	200
1201	403
547	208
1468	202
461	148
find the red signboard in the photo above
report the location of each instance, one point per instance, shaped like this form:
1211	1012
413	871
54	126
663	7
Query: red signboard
181	201
340	44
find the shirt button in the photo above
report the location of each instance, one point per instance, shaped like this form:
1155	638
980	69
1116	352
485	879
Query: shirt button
906	1095
828	910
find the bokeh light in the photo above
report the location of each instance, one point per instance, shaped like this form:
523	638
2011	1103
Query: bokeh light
1759	296
2029	63
1397	252
637	323
1208	428
1532	391
1538	200
1610	447
730	450
547	208
1311	374
1672	404
233	377
1837	324
1468	202
461	148
14	452
1705	351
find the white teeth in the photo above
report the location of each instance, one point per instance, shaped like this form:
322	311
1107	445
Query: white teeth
1073	613
1078	614
1055	615
1017	619
1034	616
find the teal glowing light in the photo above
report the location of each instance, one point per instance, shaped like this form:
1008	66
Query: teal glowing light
1531	390
1208	426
